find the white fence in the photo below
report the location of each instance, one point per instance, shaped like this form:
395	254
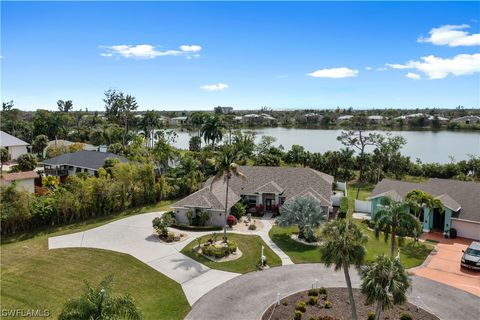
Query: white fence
363	206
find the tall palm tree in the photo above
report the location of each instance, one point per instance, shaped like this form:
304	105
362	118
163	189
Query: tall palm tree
212	130
343	245
385	282
99	304
150	121
418	200
394	219
226	168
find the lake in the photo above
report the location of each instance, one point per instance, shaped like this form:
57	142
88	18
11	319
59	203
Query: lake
428	146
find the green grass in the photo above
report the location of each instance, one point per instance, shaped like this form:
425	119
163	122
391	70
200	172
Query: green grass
250	246
33	277
363	190
410	255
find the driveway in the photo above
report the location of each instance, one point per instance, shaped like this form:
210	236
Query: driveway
249	295
443	265
135	236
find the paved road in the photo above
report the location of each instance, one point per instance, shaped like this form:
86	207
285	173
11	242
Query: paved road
248	296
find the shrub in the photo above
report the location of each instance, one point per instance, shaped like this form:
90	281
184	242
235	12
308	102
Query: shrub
313	292
301	306
298	315
312	301
312	318
238	210
309	234
219	251
170	237
252	227
231	220
285	303
327	305
259	208
161	225
406	316
322	290
189	215
202	217
343	207
26	162
371	316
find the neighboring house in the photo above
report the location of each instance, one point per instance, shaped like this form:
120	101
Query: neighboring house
267	186
344	118
412	116
82	161
258	118
375	118
311	118
460	199
468	120
23	180
14	146
178	121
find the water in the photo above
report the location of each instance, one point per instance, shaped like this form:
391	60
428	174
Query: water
428	146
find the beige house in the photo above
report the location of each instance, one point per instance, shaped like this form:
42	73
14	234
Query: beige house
22	180
265	186
15	147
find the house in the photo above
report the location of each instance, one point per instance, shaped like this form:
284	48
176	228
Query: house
82	161
267	186
23	180
375	118
345	118
258	119
311	118
460	200
15	147
178	121
467	120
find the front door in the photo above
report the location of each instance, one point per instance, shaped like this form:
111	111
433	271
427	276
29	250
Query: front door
268	204
438	220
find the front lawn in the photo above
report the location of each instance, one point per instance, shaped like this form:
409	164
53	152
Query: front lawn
249	245
410	255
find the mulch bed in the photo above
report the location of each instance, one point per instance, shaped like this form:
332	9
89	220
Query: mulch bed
340	307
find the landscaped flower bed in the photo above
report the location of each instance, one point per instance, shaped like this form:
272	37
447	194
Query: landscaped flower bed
333	304
219	250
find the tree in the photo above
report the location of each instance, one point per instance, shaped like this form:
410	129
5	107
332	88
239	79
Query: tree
195	144
7	106
394	219
99	303
26	162
385	282
418	200
150	121
304	212
65	106
119	109
226	168
212	130
3	158
343	245
40	143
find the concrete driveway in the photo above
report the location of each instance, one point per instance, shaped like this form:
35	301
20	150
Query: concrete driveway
443	265
249	295
135	236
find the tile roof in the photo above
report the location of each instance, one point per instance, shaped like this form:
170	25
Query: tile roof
7	140
19	175
452	193
83	159
289	182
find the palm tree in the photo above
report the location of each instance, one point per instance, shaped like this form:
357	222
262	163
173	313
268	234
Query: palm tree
343	245
226	168
98	303
212	130
395	219
418	200
150	121
385	282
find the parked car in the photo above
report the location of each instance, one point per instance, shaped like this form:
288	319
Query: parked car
471	256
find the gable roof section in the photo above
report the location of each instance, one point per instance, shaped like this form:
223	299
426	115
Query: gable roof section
453	194
15	176
84	159
7	140
270	187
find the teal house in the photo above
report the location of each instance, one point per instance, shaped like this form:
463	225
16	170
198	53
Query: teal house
460	203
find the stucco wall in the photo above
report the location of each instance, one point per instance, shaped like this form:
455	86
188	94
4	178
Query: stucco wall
16	151
217	218
467	229
26	185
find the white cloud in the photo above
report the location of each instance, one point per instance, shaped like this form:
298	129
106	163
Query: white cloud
413	76
452	36
334	73
147	51
214	87
381	69
439	68
192	48
368	68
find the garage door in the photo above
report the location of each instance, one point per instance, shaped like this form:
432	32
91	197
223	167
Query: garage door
467	229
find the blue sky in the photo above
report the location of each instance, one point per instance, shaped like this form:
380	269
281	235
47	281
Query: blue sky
176	56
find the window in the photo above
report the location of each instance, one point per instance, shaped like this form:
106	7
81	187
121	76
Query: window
282	200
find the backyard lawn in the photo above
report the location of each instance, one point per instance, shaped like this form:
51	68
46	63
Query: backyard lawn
251	248
33	277
411	255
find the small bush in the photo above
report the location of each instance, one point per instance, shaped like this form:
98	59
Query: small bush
231	220
309	234
285	303
406	316
371	316
170	237
298	315
219	251
312	301
327	305
312	318
324	297
322	290
252	227
301	306
313	292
